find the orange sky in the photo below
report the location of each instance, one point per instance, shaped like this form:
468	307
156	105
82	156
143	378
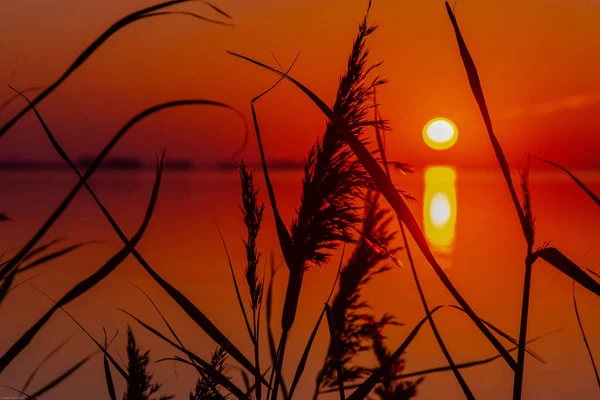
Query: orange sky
538	62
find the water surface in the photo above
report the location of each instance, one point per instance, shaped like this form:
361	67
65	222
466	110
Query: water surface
466	215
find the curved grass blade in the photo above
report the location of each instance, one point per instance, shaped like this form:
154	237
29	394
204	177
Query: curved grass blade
109	381
577	181
270	336
559	261
477	91
28	397
304	358
44	360
285	241
188	14
237	289
593	273
246	379
587	345
391	194
58	380
336	350
105	351
49	257
31	254
16	96
526	223
200	371
120	24
15	286
89	282
505	336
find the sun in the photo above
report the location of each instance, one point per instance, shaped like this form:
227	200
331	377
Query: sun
440	133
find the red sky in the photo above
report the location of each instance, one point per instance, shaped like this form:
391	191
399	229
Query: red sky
538	62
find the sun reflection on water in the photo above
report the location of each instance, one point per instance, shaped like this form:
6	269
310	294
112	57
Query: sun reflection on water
439	208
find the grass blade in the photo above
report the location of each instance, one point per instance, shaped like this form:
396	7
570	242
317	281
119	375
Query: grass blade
44	360
106	353
505	336
4	217
200	371
270	336
559	261
49	257
120	24
16	96
398	204
523	214
28	397
304	358
587	345
477	90
237	289
285	241
207	368
109	381
445	368
577	181
336	350
58	380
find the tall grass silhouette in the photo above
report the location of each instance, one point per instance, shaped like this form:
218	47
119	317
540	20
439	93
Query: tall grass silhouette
345	186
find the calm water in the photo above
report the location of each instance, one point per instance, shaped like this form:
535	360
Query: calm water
466	215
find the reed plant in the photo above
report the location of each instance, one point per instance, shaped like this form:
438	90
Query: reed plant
345	183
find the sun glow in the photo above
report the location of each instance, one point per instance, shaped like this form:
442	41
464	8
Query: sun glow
440	133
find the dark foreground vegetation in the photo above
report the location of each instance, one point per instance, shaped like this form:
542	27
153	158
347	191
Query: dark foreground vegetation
348	200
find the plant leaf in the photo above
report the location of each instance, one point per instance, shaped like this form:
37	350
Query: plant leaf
555	258
577	181
587	345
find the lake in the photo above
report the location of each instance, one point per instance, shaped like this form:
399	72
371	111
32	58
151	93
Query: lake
466	215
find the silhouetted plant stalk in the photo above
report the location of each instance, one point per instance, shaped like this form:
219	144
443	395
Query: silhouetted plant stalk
252	212
206	388
359	330
333	180
139	382
524	212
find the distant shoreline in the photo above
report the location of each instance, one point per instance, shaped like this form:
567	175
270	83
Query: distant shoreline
132	164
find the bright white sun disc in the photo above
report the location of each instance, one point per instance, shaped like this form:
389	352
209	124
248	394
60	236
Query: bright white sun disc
440	133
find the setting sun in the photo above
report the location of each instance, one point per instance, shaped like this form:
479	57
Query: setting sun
440	133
